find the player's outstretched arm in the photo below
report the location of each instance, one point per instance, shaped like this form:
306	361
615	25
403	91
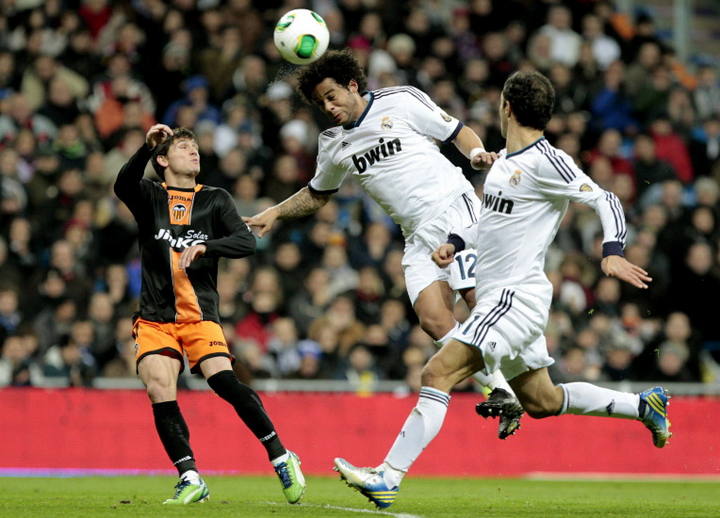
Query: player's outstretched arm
127	183
618	266
470	145
302	203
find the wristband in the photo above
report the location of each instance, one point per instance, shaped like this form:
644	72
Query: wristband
475	152
457	242
612	248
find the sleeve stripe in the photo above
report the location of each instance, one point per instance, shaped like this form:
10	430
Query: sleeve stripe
454	133
470	206
557	162
560	160
618	215
319	191
413	92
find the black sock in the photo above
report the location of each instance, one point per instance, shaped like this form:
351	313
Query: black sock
250	409
174	434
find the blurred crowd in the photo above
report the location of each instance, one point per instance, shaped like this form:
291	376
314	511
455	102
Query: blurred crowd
324	297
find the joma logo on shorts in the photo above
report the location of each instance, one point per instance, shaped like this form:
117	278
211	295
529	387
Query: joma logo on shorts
384	150
216	343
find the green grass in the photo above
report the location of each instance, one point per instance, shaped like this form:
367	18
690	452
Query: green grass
258	497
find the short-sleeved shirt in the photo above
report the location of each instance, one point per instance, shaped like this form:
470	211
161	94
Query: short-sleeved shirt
392	151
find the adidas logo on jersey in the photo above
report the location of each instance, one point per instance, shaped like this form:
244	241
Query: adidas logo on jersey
384	150
498	204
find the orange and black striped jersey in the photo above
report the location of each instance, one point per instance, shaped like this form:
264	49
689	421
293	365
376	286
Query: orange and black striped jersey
171	219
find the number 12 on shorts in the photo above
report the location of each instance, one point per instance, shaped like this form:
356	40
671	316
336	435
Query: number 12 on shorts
466	261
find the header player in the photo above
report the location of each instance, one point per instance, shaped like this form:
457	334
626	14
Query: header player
184	229
385	139
526	194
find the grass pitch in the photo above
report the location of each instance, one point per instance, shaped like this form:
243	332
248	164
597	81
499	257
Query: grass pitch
259	497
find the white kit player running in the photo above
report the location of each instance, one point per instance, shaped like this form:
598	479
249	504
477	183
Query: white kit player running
526	194
386	140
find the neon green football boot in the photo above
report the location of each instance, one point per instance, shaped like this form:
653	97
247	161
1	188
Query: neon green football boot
291	478
187	493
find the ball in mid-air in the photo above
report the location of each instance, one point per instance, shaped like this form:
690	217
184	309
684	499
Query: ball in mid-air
301	36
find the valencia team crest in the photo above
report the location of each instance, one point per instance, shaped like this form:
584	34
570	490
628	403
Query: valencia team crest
515	178
178	211
386	123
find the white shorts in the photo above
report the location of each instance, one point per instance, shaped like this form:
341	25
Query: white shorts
507	326
420	270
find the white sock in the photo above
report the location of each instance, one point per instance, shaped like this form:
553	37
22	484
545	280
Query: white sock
588	399
421	427
191	476
279	460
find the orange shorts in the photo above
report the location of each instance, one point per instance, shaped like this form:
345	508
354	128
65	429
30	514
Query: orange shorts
197	340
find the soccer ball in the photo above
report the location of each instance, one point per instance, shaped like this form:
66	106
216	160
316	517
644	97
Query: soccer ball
301	36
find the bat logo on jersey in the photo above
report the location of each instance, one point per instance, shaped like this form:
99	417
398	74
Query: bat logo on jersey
386	123
497	203
376	154
178	211
515	178
191	237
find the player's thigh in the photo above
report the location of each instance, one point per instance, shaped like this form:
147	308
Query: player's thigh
202	341
418	267
434	306
214	364
453	363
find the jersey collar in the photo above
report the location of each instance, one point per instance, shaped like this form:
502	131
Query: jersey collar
355	124
525	148
183	189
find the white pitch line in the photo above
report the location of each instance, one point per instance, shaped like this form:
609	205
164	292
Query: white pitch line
354	510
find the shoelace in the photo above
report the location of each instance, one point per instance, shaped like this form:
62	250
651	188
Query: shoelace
180	486
284	473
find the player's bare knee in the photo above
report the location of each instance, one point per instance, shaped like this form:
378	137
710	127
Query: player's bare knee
159	388
432	374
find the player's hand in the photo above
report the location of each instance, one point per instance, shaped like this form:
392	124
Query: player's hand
190	254
617	266
483	160
444	255
262	223
157	134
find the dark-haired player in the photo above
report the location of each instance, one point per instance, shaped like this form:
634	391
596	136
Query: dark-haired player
386	140
184	229
526	194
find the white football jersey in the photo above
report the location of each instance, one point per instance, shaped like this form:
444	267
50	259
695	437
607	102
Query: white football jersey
391	150
526	194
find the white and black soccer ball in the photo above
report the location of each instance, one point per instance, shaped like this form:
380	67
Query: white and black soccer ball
301	36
